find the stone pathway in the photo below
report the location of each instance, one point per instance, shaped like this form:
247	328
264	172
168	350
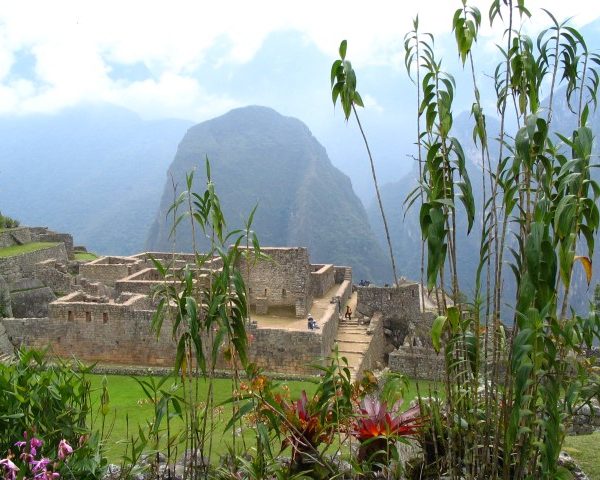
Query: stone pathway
352	339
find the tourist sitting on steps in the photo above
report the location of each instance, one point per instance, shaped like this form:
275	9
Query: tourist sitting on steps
312	323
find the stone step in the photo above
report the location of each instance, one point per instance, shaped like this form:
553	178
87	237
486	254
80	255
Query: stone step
354	332
349	346
350	341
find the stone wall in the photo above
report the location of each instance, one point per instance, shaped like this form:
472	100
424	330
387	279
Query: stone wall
285	351
14	236
19	266
107	270
376	351
97	332
283	279
48	273
6	347
293	351
417	362
42	234
30	298
322	279
329	328
586	419
340	274
395	303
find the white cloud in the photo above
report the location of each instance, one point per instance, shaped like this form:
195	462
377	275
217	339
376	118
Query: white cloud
72	40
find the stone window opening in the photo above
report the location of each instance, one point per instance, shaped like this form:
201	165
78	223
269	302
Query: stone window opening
413	293
70	316
283	292
88	316
104	317
389	296
265	292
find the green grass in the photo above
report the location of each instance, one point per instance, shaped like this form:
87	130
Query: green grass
129	408
585	449
85	256
27	248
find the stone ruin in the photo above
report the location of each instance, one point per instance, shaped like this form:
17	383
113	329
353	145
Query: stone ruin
101	311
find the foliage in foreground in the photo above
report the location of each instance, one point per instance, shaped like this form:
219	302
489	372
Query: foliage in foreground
44	409
509	394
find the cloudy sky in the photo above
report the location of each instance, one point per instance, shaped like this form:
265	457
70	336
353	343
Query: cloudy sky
168	59
194	60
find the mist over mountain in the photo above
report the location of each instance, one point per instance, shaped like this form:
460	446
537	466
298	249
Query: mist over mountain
95	171
261	157
404	225
405	229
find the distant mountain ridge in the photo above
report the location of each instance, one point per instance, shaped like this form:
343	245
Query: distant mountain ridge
95	171
261	157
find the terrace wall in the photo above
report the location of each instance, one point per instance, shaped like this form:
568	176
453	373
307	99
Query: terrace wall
23	265
14	236
322	279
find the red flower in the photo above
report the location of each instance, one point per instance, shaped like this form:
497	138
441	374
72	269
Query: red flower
376	420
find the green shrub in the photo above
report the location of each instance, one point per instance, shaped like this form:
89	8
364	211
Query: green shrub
7	222
50	402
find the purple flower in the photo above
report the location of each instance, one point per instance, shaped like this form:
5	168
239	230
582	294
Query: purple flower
39	465
64	449
9	468
21	444
34	444
46	475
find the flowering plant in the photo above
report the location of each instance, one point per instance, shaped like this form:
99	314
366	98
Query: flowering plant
305	431
376	426
33	466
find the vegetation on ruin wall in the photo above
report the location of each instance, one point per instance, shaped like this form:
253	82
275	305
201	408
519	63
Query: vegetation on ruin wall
85	256
15	250
8	222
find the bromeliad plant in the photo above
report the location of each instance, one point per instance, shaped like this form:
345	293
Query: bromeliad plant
377	428
508	394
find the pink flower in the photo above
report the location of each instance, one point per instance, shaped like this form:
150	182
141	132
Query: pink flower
9	468
64	449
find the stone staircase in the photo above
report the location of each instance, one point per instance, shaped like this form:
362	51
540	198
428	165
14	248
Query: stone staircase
352	342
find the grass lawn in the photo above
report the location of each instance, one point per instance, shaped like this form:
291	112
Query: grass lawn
28	247
85	256
129	408
585	449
